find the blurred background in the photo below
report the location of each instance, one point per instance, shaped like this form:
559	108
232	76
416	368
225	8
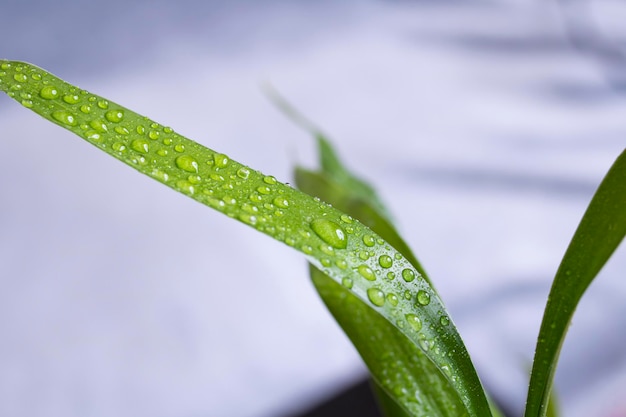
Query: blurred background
486	126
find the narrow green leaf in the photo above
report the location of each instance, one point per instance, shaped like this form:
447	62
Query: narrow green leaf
410	379
343	248
599	233
405	380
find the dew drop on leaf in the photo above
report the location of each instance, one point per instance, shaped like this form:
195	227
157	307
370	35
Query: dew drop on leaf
385	261
71	98
281	202
114	116
423	298
408	275
64	117
49	92
376	296
330	233
369	240
414	321
140	145
347	282
187	163
243	173
366	272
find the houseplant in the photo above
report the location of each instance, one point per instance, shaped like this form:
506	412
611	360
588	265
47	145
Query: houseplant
363	270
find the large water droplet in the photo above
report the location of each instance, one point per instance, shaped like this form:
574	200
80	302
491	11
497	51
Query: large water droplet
414	321
423	297
369	240
385	261
49	92
366	272
140	145
330	232
65	117
376	296
187	163
114	116
408	275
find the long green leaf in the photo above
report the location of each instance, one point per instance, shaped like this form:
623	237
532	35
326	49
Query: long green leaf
405	380
344	249
599	233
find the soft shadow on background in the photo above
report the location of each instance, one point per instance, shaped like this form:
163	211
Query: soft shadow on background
485	125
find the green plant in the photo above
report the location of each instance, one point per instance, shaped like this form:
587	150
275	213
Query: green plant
363	270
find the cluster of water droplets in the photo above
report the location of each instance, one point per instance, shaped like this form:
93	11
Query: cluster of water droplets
340	246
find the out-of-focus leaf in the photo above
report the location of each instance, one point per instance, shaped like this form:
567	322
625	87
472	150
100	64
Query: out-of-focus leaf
599	233
341	247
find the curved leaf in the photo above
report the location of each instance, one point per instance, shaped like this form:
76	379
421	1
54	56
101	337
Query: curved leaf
344	249
599	233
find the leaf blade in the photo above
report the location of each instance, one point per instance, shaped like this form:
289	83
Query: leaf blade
598	235
328	239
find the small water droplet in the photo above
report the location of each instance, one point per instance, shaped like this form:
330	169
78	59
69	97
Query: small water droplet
376	296
154	134
243	173
425	344
187	163
49	92
369	240
307	249
391	276
347	282
269	180
122	130
85	108
414	321
366	272
341	264
71	98
179	148
99	126
114	116
444	320
423	298
27	103
103	104
93	136
160	175
408	275
264	189
162	152
385	261
141	130
220	160
281	202
327	249
65	117
118	146
20	78
346	219
140	145
330	232
393	299
364	255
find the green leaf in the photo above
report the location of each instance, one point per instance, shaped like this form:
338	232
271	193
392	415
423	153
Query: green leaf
406	381
343	248
599	233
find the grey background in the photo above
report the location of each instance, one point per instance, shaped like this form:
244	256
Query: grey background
481	123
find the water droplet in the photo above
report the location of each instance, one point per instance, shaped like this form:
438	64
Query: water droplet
220	160
122	130
103	104
423	297
366	272
328	250
385	261
49	92
269	180
71	98
160	175
93	136
187	163
27	103
162	152
153	134
326	262
414	321
307	249
408	275
369	240
391	276
347	282
65	117
393	299
243	173
140	145
5	65
444	320
364	255
376	296
118	146
114	116
264	189
179	148
346	219
425	344
330	233
85	108
20	78
281	202
141	130
98	125
36	76
341	264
